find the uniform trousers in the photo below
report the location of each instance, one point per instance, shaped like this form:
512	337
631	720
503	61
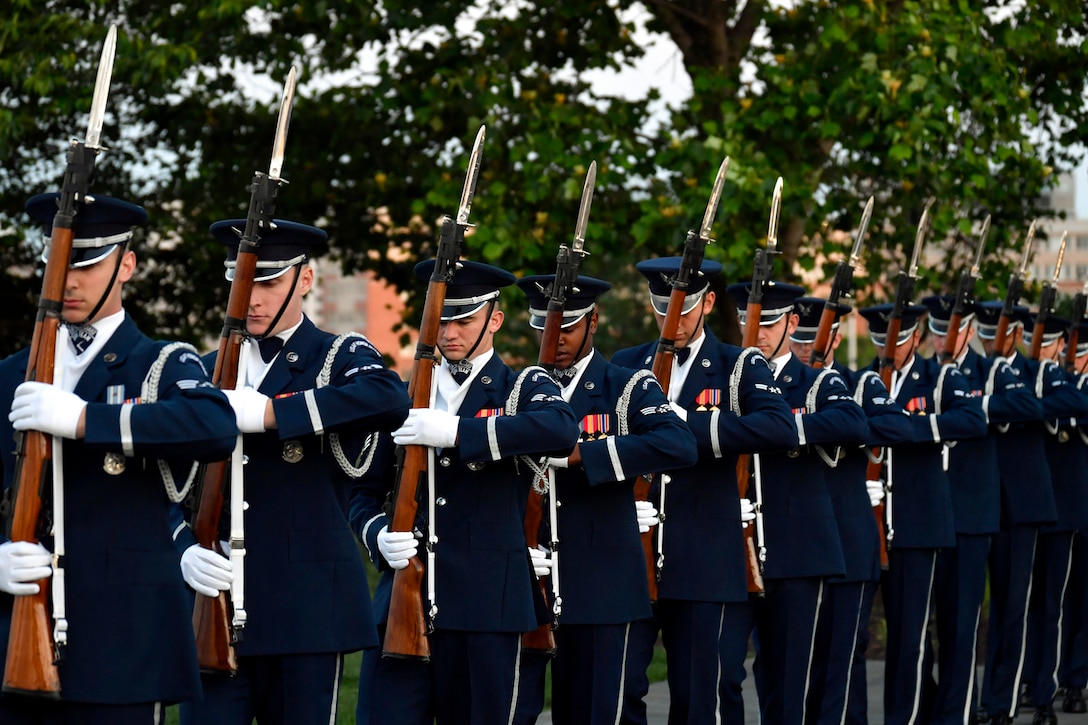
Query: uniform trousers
908	604
959	589
1074	666
785	635
1012	559
838	668
589	673
273	689
472	677
705	647
16	710
1046	614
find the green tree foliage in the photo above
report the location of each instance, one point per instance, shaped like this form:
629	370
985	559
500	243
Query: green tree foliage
974	103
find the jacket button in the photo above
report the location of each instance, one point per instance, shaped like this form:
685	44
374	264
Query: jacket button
444	461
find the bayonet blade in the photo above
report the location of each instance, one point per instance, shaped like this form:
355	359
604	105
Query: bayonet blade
715	198
578	245
1026	258
101	90
1061	257
772	223
981	246
284	120
920	238
863	227
473	174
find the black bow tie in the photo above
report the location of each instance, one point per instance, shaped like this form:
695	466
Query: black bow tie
564	377
81	336
269	347
682	355
460	370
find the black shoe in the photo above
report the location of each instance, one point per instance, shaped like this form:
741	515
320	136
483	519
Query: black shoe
1000	719
1045	716
1074	700
1025	695
981	716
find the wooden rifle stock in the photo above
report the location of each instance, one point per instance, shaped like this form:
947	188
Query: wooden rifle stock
887	367
212	629
406	629
662	370
542	639
215	635
30	668
753	569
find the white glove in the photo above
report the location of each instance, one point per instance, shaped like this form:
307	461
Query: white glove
747	512
398	547
542	563
646	515
558	462
249	408
875	489
22	565
46	408
206	571
427	427
679	410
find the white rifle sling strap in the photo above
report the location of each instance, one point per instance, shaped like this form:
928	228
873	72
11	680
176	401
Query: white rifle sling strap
60	618
432	538
237	544
543	484
370	447
432	524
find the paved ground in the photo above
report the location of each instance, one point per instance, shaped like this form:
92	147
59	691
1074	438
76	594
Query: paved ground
657	702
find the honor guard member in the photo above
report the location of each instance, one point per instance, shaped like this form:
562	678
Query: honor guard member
838	691
1074	659
975	482
731	404
918	505
128	416
627	429
1027	502
1063	406
304	397
484	418
801	538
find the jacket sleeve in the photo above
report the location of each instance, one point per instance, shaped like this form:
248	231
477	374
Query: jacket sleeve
889	424
1010	401
762	421
837	420
190	420
544	425
361	393
657	440
370	504
1060	397
961	414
